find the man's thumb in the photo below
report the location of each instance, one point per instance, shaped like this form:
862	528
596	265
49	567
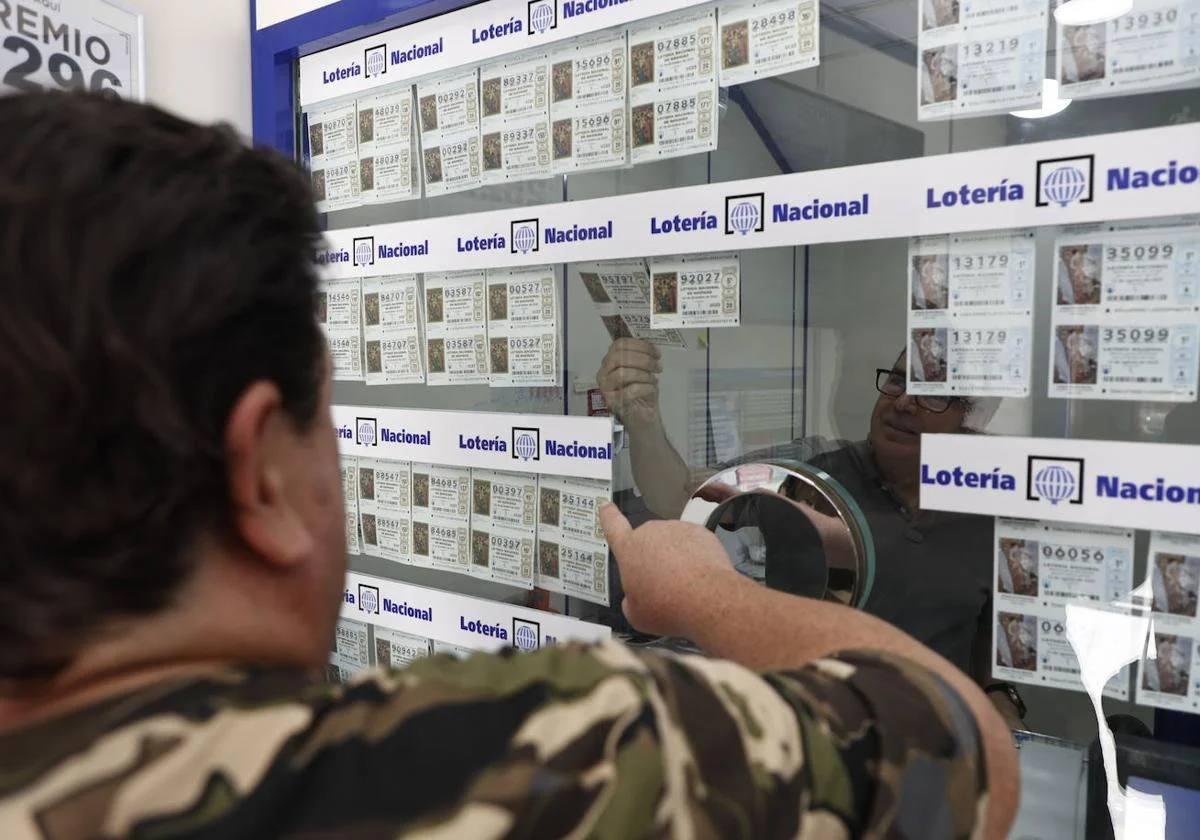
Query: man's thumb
616	526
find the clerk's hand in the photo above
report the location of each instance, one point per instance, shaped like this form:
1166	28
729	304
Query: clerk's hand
628	378
672	572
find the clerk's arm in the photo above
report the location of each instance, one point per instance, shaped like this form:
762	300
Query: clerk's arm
628	378
678	581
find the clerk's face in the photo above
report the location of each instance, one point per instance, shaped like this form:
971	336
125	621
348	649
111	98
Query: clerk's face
897	423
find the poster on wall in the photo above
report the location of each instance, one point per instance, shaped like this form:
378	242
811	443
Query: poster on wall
89	45
1154	46
386	166
515	95
768	38
1169	676
455	330
522	327
703	290
339	312
392	329
1040	568
1125	320
587	103
448	125
980	58
572	553
673	86
503	526
970	313
620	289
333	157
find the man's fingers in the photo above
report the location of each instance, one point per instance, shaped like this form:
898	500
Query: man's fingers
632	360
616	527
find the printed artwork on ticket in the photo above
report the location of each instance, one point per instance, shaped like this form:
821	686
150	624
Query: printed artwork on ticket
1040	568
970	314
768	38
572	554
1169	675
1125	317
587	103
1155	46
980	58
448	122
620	289
333	157
392	329
386	165
339	312
695	291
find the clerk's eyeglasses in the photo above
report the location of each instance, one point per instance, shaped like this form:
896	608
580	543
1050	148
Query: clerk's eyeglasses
891	383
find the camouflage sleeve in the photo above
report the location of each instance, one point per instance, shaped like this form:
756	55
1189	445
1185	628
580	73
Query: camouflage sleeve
605	742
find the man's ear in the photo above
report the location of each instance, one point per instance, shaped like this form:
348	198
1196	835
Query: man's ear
261	446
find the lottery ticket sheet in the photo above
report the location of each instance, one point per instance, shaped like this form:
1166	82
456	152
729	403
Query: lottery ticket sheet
970	313
351	652
1169	676
457	651
522	326
980	58
392	329
515	95
441	498
673	86
339	312
695	291
621	291
503	526
1155	46
768	38
1040	568
333	157
350	503
385	508
1125	321
394	649
455	327
449	128
386	164
572	553
587	103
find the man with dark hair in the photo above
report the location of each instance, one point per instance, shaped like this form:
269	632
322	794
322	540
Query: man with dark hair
172	557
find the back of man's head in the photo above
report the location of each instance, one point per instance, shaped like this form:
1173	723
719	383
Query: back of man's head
151	270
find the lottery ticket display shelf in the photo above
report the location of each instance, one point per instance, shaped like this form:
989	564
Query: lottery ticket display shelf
777	232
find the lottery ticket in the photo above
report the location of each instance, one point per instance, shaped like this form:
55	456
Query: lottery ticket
385	508
386	165
392	329
1170	671
987	70
455	327
970	314
333	157
673	87
457	651
587	103
516	119
768	38
572	553
1040	568
441	516
621	291
695	291
1125	321
394	649
339	311
522	326
351	652
1155	45
503	526
449	126
350	503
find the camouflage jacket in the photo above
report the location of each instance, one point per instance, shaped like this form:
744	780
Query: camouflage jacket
597	742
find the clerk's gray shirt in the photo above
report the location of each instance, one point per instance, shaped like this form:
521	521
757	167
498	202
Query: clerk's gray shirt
933	571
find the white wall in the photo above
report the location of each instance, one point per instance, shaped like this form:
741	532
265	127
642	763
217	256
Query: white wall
198	59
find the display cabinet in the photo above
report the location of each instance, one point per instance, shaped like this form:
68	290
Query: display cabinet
929	271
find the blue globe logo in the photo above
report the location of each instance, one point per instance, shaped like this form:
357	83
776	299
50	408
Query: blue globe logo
362	252
1064	185
1054	483
524	239
542	17
526	446
376	62
744	217
526	638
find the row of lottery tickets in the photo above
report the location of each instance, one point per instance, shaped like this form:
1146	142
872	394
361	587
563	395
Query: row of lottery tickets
1066	614
1124	303
989	56
358	646
518	529
621	97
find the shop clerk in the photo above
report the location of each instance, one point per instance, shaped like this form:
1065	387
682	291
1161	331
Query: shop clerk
933	575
